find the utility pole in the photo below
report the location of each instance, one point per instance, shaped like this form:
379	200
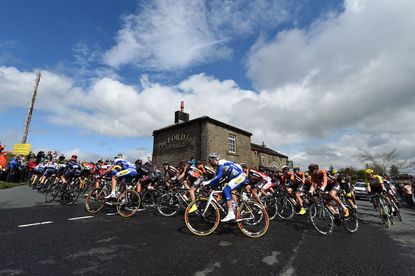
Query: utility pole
30	111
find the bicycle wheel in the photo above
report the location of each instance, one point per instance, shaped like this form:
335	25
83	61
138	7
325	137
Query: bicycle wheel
285	208
203	221
271	207
72	193
149	200
351	223
397	211
321	218
252	219
128	203
53	192
95	200
383	213
168	204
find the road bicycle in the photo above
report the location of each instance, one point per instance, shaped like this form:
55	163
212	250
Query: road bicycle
384	209
324	213
126	203
251	216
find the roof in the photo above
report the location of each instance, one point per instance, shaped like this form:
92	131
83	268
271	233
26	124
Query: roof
266	150
204	119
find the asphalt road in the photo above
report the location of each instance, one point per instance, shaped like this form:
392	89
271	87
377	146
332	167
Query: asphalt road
72	241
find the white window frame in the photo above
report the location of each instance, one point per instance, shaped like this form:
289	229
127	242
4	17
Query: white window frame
232	143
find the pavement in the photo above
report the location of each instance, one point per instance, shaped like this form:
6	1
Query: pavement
42	239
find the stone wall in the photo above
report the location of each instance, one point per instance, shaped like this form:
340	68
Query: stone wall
217	141
176	144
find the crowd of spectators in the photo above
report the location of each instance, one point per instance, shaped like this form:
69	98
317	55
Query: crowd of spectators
19	168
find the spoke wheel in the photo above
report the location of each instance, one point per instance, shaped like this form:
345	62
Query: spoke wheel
252	219
383	213
285	208
95	200
72	194
128	203
52	193
202	224
351	223
271	207
397	211
149	200
168	204
321	218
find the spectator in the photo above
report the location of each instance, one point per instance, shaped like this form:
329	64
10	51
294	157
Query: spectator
31	166
12	168
3	161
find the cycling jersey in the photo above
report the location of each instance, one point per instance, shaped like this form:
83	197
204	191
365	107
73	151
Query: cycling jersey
287	178
126	169
375	181
229	171
258	179
171	172
226	169
320	178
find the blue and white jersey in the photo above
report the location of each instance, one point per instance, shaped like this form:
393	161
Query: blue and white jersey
124	164
50	165
226	169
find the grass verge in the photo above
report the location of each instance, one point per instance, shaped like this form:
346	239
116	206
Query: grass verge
7	185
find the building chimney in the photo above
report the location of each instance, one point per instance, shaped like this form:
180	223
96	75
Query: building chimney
181	116
263	144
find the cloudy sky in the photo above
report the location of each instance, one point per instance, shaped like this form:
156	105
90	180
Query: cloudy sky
314	80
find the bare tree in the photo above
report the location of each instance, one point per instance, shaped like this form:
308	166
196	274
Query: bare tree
380	162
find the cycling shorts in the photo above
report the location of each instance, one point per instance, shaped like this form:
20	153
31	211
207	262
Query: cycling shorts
72	173
296	186
333	186
128	173
49	172
193	181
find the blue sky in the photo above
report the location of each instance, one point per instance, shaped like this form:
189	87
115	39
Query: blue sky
115	70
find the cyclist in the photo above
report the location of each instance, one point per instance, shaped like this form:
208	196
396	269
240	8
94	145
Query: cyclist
320	180
170	172
72	168
256	181
292	185
235	177
145	174
298	186
120	169
50	169
345	182
191	177
375	185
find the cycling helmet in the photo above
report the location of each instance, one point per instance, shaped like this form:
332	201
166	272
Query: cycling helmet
119	156
368	171
312	167
138	162
214	156
333	171
296	169
285	168
166	163
244	165
74	157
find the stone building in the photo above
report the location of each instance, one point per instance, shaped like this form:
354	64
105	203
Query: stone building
267	158
199	137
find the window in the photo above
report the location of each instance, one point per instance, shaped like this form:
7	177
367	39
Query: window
232	143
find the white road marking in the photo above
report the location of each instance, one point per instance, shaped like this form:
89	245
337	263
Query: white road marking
34	224
86	217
